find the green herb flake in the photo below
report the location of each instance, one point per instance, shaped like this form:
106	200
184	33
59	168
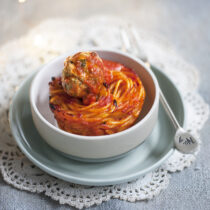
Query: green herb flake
83	63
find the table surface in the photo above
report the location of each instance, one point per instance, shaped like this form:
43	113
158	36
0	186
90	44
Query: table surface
186	24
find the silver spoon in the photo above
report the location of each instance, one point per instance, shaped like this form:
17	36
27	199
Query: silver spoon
183	140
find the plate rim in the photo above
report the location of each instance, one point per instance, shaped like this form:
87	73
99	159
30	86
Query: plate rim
79	180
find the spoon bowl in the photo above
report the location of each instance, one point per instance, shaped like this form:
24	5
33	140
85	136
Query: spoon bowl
185	142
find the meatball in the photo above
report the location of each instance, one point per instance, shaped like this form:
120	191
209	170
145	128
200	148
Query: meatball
83	75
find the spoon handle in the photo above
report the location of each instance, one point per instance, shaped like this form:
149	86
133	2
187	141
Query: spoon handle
168	110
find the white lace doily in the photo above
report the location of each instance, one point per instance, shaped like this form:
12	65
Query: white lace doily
53	37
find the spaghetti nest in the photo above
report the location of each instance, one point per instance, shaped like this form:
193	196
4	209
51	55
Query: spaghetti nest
117	108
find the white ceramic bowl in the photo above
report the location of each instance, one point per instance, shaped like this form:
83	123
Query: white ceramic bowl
93	148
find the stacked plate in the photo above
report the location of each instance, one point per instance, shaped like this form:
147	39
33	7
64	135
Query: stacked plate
146	156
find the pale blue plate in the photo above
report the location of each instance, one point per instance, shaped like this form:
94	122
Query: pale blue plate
148	156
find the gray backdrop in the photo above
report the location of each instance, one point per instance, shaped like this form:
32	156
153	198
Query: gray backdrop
186	24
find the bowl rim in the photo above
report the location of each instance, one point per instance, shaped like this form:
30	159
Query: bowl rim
101	137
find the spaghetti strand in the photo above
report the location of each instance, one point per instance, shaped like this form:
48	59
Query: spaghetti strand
117	108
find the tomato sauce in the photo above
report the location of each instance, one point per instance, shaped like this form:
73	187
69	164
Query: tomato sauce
103	113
